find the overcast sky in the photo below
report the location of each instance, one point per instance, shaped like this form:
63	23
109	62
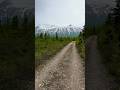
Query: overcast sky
60	12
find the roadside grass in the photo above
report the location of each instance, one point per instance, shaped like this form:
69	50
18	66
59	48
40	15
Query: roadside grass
80	42
46	48
81	49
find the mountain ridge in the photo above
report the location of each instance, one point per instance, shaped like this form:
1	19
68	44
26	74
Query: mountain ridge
52	30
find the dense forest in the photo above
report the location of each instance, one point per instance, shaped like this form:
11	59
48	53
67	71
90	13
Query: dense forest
16	53
108	35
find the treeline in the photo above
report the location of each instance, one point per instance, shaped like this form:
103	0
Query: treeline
109	40
55	37
16	24
46	35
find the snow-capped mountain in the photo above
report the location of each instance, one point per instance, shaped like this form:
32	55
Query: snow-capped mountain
69	30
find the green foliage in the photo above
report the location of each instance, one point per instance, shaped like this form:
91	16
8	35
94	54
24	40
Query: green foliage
80	41
109	44
109	41
56	35
89	30
16	52
15	22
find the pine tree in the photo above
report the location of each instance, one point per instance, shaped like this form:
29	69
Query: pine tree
0	23
114	17
56	35
45	35
41	35
25	22
15	22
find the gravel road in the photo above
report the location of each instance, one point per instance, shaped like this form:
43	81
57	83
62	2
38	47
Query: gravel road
65	71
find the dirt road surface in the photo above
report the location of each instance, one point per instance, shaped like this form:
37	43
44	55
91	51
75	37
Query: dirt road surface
65	71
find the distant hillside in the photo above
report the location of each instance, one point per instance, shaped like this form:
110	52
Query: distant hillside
8	10
97	10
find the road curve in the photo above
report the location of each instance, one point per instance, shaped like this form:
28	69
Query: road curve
64	71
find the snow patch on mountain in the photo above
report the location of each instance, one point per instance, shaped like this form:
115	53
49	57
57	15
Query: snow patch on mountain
69	30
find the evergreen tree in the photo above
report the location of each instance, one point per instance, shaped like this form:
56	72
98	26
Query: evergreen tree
0	23
15	22
41	35
114	16
25	22
45	35
56	35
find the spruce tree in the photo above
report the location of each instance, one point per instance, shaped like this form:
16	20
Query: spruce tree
56	35
15	22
